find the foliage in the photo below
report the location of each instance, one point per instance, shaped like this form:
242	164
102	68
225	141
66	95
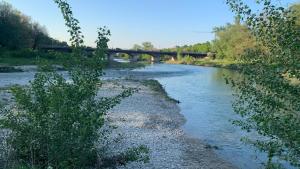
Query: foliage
19	31
199	47
31	57
232	41
295	8
145	46
223	63
179	55
187	60
137	47
266	98
124	56
55	123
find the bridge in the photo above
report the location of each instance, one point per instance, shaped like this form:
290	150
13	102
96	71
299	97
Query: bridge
135	54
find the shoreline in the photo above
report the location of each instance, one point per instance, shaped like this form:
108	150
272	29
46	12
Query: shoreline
149	119
34	68
217	63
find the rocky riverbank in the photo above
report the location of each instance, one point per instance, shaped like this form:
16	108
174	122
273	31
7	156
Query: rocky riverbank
151	119
147	118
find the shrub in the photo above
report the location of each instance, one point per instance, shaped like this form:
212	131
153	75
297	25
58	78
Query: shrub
55	122
187	60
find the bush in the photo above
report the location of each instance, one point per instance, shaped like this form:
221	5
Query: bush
145	57
187	60
55	123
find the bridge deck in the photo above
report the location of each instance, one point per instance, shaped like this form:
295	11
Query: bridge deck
132	52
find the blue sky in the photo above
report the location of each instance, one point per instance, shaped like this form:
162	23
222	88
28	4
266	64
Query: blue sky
165	23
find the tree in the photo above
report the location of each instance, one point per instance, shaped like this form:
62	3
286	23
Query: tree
232	41
295	8
148	46
38	34
137	47
267	97
199	47
144	46
18	31
14	27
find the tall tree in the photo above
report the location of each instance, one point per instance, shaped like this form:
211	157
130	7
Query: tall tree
18	31
233	40
296	13
148	46
137	47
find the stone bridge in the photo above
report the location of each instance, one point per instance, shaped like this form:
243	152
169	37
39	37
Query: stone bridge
155	54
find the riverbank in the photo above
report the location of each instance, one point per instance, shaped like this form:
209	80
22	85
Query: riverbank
208	62
34	67
147	118
152	119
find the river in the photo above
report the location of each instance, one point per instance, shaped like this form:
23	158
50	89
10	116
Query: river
206	103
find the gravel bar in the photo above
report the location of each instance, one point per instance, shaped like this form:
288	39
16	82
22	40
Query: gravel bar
147	118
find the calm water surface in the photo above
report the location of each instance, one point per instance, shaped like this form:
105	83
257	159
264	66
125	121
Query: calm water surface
206	103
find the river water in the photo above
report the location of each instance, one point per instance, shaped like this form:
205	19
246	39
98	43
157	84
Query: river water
206	103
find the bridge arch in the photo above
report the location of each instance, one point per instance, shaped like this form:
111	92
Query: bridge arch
156	55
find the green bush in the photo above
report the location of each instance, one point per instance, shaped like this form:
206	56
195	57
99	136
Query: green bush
186	60
145	57
55	123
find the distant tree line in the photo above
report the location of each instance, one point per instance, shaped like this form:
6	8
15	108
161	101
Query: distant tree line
144	46
18	31
199	47
230	42
233	40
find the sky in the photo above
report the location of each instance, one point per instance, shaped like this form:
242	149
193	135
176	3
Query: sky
165	23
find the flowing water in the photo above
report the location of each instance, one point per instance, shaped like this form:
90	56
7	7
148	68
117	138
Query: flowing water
206	103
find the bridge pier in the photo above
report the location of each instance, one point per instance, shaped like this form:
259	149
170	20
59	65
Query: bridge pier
111	56
173	58
134	57
155	58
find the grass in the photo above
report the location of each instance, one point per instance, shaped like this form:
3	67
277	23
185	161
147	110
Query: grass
157	87
218	63
29	57
11	58
222	63
10	61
